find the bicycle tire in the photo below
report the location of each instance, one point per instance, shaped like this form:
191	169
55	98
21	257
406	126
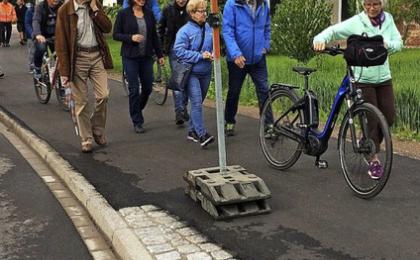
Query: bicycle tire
60	93
125	83
160	85
281	99
43	86
357	178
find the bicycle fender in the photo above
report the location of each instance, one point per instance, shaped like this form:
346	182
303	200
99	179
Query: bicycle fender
281	85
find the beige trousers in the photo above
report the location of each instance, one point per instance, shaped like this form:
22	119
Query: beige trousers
89	65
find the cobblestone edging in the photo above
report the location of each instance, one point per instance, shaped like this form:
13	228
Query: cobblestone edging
166	237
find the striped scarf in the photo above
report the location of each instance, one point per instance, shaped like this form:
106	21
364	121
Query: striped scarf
378	20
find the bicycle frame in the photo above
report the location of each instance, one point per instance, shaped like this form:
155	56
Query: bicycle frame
345	91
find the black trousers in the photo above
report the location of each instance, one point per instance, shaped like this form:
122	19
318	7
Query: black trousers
5	32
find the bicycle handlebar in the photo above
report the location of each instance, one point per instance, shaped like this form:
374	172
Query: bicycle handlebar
333	51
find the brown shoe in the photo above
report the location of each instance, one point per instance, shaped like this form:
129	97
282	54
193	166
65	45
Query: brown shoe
87	147
99	139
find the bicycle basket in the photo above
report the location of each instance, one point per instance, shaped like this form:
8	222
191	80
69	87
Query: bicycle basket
365	51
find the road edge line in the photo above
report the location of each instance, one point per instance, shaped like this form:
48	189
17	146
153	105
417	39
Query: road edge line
123	240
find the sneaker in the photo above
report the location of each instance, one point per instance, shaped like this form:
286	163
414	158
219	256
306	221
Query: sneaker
139	129
87	146
230	129
269	131
6	45
179	118
206	139
192	136
375	170
1	74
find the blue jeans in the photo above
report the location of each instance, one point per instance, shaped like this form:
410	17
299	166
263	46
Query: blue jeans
259	76
40	49
198	85
180	97
135	68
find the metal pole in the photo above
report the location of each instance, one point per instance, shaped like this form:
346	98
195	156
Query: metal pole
218	86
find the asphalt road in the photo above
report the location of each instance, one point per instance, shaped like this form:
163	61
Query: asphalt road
314	215
33	225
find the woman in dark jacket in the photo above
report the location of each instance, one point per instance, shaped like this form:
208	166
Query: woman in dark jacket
135	26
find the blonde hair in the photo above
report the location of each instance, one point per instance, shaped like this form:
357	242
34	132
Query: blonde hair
195	4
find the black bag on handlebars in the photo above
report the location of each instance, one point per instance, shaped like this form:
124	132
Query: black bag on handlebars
365	51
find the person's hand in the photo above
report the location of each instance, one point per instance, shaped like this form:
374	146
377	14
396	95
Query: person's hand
40	38
93	6
161	61
207	55
240	61
385	45
264	51
319	46
137	37
64	81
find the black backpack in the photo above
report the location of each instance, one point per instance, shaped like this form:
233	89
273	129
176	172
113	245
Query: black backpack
365	51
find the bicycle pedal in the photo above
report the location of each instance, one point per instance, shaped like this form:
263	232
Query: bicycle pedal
321	164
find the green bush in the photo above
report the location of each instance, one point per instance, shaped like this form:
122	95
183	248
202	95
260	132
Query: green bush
295	24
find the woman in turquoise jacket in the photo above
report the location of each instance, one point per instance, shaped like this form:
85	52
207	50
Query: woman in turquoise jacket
188	51
375	82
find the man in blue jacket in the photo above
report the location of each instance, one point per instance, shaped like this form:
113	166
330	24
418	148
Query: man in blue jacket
246	32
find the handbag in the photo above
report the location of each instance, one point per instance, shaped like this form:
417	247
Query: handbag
365	51
181	72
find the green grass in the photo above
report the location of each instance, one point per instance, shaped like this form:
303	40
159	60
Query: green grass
325	82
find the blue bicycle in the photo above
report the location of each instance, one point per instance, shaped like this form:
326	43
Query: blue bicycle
289	126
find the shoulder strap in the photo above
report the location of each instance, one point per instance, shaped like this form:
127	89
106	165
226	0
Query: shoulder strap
203	35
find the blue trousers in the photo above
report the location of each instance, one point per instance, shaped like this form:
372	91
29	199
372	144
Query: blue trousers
135	69
40	49
198	85
259	76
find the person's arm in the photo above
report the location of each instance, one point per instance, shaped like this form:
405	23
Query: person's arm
267	31
228	30
156	43
338	31
100	18
118	34
28	21
395	42
61	47
162	26
182	43
36	21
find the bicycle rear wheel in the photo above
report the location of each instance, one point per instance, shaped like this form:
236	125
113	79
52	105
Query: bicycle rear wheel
355	158
60	93
160	84
43	86
280	148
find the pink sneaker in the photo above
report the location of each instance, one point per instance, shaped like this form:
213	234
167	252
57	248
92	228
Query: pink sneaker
375	170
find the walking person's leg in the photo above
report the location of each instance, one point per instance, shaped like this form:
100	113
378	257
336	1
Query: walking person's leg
146	79
80	95
99	79
8	33
2	34
131	68
259	76
236	80
180	99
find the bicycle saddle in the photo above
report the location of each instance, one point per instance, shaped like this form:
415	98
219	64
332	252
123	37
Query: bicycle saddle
304	71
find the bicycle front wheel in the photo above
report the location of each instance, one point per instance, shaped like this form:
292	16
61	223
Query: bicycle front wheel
43	86
357	147
280	147
160	84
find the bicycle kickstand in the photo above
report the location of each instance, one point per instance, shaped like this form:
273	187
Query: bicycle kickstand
321	164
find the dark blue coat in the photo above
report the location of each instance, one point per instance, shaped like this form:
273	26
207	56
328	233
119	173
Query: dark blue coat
126	26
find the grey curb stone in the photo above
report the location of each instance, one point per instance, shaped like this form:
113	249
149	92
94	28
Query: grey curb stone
124	242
